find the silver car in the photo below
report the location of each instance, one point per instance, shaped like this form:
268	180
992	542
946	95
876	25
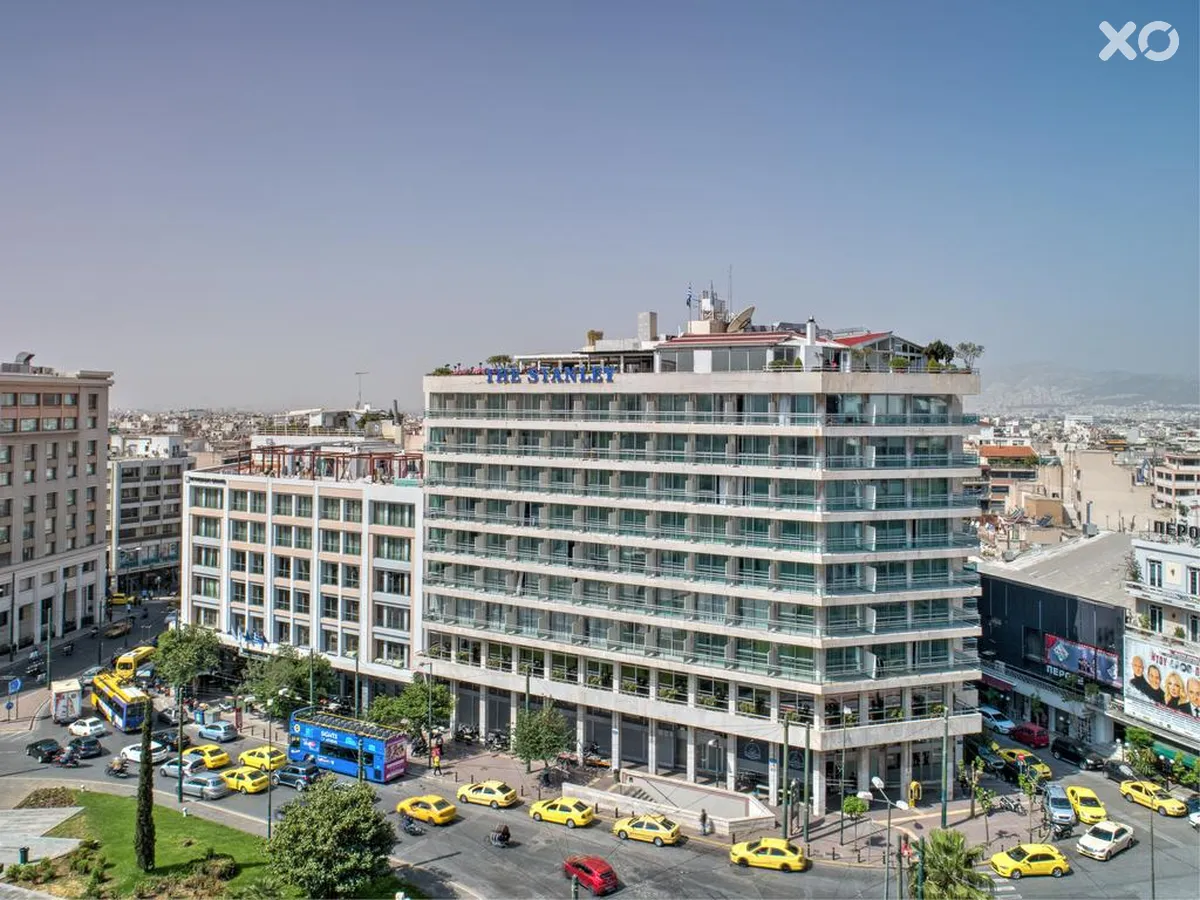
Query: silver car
206	786
191	766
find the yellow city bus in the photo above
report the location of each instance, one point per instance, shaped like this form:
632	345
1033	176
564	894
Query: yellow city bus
129	663
126	707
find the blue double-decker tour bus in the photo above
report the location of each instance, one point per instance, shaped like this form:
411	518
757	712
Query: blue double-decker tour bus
342	744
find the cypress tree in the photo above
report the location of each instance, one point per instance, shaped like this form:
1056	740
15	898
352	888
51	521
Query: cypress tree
143	832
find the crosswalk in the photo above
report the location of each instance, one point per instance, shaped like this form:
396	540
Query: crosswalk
1005	889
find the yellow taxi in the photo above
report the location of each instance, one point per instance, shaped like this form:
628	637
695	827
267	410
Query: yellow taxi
266	758
246	780
214	757
1088	808
657	830
768	853
428	808
1151	796
1030	859
1024	757
562	811
495	794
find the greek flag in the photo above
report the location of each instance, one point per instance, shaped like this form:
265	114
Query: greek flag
689	299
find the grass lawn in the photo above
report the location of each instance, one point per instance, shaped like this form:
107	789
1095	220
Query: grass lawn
179	842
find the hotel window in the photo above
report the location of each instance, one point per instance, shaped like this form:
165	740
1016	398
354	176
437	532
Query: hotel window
239	501
350	576
391	617
237	560
352	511
301	570
29	399
283	599
329	573
350	611
331	541
258	533
28	425
8	426
393	548
283	535
209	498
283	567
301	599
329	607
1154	572
351	543
256	595
49	424
91	451
238	531
258	502
7	399
70	399
395	515
387	582
283	504
331	508
256	564
304	507
1193	581
204	527
1156	618
303	538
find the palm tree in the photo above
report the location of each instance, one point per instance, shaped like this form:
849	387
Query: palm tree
950	872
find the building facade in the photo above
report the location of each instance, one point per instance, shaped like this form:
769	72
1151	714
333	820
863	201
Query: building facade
145	512
1162	640
1177	480
309	547
53	458
1053	629
683	542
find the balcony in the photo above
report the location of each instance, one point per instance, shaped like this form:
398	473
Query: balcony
1163	596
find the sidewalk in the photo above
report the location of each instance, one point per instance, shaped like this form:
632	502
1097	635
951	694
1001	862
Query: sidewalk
29	707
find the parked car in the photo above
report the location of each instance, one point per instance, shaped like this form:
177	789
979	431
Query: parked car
1058	806
88	676
655	829
296	775
593	873
44	750
86	747
1115	770
1031	735
218	731
1193	809
976	746
996	720
169	738
1151	796
91	727
170	716
1105	840
192	765
206	786
1073	751
133	752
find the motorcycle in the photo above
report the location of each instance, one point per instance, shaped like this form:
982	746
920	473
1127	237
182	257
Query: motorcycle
116	771
466	734
1061	832
418	747
67	649
496	839
411	826
66	761
497	740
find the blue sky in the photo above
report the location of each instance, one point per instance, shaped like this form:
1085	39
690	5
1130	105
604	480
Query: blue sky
243	204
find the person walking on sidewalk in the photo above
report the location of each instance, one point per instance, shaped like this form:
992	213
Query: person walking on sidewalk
437	761
704	823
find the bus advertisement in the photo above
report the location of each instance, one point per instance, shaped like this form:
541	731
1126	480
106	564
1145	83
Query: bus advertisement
342	744
126	707
129	663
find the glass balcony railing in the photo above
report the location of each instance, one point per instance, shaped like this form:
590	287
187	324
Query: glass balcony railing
778	419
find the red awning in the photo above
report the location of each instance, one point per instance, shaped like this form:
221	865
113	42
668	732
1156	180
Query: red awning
999	683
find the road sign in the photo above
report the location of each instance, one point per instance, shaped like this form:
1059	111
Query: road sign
14	686
8	705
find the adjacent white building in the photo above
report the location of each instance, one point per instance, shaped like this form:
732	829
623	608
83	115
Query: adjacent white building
145	511
681	542
53	451
311	546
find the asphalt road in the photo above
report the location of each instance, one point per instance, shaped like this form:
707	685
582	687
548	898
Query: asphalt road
461	853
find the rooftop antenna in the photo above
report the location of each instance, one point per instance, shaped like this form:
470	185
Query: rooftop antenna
729	294
360	375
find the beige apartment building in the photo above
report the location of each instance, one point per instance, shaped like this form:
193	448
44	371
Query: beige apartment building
1177	480
53	468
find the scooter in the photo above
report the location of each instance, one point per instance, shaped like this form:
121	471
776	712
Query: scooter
497	841
115	771
66	761
466	734
410	826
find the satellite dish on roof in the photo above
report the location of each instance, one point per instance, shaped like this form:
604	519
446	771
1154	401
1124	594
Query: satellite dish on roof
740	321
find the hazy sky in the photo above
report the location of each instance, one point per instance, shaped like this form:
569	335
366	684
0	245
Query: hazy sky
243	203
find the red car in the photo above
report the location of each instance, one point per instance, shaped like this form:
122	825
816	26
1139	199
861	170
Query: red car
1031	735
594	874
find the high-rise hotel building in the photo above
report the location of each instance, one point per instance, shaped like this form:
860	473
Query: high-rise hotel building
683	541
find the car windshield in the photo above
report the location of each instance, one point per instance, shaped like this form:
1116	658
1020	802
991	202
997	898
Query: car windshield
503	787
1087	800
579	806
793	849
1017	853
667	824
440	804
1193	804
1102	834
754	845
1060	802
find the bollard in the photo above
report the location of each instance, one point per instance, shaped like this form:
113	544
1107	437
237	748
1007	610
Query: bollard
539	792
616	812
522	789
456	776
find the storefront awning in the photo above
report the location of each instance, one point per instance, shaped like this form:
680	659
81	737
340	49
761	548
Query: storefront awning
998	683
1187	760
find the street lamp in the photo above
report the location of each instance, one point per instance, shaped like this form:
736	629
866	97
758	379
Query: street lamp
270	754
877	783
846	713
715	743
428	667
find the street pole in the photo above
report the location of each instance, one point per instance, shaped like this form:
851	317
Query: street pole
49	635
574	887
429	710
311	681
356	691
179	741
921	870
360	760
887	859
528	673
1153	886
787	792
270	786
807	775
945	761
842	785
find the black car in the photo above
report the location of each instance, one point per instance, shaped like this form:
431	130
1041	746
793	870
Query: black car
976	746
44	750
169	738
1015	768
296	775
1118	771
1075	752
86	747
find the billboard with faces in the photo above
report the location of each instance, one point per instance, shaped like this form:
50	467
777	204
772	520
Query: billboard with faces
1162	686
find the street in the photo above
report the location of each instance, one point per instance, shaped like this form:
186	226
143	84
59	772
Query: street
462	854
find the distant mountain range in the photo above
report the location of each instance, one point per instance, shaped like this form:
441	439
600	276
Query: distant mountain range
1048	387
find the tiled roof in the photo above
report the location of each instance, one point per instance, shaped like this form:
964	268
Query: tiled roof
857	339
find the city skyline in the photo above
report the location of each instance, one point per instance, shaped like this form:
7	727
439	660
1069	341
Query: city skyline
245	212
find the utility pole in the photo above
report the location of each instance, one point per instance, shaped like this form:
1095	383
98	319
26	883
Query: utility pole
528	674
356	690
921	870
1153	885
574	887
945	761
50	633
787	791
360	375
807	774
312	702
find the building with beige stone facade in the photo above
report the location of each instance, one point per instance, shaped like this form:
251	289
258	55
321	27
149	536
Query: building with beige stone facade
53	470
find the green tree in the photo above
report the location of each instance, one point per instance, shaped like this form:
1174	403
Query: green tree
969	775
1139	737
186	653
143	830
950	869
541	734
987	802
855	808
939	352
334	844
412	706
1030	786
968	352
285	677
